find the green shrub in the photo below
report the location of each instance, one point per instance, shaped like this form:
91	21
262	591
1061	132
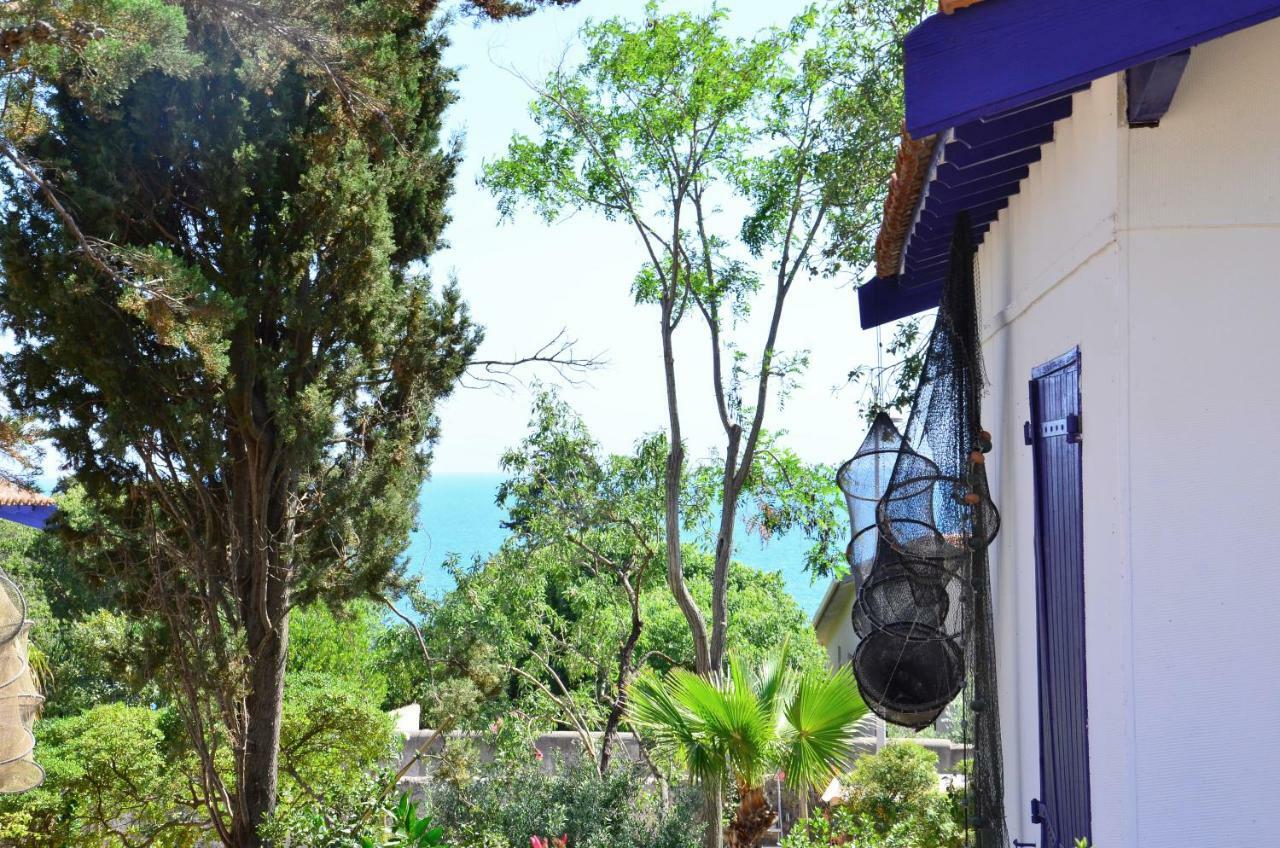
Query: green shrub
893	800
115	775
509	802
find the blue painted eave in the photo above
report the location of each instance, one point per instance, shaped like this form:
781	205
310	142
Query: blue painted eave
31	516
1003	54
994	79
976	169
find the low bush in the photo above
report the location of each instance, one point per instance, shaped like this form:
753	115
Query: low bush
506	804
892	800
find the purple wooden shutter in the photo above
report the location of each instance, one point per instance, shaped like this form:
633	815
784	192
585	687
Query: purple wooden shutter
1055	436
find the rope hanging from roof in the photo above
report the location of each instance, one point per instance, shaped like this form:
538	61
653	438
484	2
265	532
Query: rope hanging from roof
922	520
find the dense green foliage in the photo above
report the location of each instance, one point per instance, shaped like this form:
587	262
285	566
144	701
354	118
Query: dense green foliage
740	726
517	799
252	421
120	768
558	622
892	800
512	611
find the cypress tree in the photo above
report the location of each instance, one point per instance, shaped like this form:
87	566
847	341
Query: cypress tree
248	395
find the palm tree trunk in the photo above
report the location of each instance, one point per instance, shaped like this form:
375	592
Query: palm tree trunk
712	805
751	821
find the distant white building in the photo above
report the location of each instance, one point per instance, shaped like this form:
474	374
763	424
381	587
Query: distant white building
1119	162
833	622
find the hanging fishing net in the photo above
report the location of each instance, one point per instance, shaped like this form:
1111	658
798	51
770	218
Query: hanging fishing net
922	518
909	680
863	480
20	698
13	609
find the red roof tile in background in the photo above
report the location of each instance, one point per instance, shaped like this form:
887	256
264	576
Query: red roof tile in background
905	186
14	495
949	6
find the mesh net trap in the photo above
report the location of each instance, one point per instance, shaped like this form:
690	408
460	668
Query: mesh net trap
922	518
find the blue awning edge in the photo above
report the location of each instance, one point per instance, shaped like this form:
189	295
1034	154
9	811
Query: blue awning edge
884	299
1006	53
31	516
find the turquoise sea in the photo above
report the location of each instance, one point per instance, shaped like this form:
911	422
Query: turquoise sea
459	516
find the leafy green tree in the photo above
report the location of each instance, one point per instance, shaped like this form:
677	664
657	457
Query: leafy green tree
571	607
895	794
115	775
253	427
596	515
745	724
667	123
528	611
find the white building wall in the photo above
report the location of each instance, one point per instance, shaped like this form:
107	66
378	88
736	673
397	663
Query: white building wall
1157	251
1052	278
1202	245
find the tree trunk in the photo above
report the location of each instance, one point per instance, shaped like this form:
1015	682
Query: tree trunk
625	671
672	480
259	497
730	491
263	707
712	812
751	821
671	506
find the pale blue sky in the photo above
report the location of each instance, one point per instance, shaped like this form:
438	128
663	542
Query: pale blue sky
526	281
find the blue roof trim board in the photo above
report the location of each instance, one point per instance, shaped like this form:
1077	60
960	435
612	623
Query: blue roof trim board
977	168
31	516
993	79
1002	54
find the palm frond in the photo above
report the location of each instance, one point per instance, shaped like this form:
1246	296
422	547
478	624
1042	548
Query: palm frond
821	720
774	678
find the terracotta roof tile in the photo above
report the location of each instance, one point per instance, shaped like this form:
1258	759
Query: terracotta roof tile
905	186
949	6
14	495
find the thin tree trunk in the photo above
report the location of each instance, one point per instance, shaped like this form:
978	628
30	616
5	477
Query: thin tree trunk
259	501
672	480
625	671
671	506
724	552
712	812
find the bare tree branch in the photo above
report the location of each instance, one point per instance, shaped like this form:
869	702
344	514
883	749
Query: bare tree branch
557	355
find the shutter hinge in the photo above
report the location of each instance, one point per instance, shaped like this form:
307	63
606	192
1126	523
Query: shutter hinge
1036	817
1068	426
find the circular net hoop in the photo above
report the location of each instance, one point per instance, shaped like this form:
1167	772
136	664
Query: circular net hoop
907	679
894	596
16	743
865	477
20	776
13	609
14	658
20	698
936	517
